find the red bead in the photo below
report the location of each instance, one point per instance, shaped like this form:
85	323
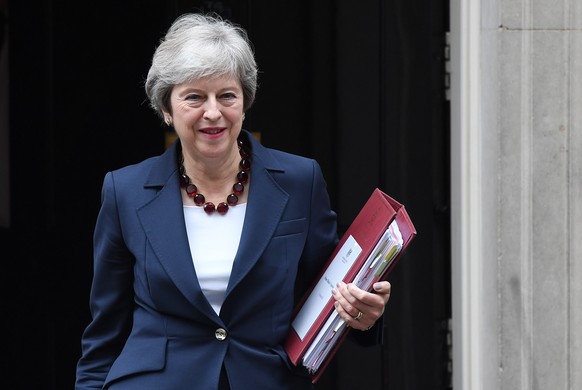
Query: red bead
238	188
209	207
232	199
244	153
184	180
191	190
199	199
222	208
243	177
245	164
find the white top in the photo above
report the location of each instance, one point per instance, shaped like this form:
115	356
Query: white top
214	241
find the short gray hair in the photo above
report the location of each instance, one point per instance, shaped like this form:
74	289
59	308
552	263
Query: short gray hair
197	46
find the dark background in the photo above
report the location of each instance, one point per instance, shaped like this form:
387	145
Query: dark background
357	85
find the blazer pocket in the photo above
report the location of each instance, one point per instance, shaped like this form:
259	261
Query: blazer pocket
144	355
292	226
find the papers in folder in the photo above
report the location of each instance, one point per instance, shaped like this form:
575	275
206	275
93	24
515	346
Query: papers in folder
381	257
368	251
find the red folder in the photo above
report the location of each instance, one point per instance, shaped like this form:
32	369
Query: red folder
365	232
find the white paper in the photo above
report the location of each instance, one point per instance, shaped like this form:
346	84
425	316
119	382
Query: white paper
321	294
383	254
318	344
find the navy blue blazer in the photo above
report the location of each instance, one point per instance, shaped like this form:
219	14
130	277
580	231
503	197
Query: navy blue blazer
152	327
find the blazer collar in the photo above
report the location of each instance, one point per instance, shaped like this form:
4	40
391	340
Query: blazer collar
162	219
266	203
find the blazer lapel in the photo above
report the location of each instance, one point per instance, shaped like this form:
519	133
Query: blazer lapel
162	219
266	203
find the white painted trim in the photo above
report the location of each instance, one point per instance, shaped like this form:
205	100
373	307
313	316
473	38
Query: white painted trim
466	202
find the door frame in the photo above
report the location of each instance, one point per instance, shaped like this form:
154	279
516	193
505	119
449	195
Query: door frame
467	201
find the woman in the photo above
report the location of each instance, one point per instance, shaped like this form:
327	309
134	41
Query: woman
199	252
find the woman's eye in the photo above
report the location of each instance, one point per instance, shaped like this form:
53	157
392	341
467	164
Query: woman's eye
192	97
228	96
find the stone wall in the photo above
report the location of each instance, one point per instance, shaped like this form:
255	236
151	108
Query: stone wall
530	189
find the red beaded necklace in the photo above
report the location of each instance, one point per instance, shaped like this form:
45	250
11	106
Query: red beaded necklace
239	186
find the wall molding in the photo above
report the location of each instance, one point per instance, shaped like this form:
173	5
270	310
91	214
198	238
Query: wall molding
466	202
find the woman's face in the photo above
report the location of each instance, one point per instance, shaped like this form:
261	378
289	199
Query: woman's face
207	115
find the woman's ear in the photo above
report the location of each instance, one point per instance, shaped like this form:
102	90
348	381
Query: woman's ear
167	118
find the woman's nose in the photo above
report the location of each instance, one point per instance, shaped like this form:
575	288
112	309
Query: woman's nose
212	110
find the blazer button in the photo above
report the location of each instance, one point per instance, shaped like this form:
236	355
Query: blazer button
220	334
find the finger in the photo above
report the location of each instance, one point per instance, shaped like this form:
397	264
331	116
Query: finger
343	313
346	304
360	321
345	299
354	299
355	313
373	304
382	287
357	297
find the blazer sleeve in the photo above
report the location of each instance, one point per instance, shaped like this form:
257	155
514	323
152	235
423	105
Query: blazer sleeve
111	296
322	233
323	228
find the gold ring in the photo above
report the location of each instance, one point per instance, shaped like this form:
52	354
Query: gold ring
360	314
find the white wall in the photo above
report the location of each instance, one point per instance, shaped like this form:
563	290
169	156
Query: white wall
517	194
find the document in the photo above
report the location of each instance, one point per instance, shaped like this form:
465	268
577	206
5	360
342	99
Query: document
321	295
366	253
384	253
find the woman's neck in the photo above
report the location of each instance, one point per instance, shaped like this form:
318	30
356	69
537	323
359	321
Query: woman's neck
214	177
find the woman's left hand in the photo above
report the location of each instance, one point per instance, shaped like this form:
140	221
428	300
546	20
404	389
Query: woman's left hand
358	308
